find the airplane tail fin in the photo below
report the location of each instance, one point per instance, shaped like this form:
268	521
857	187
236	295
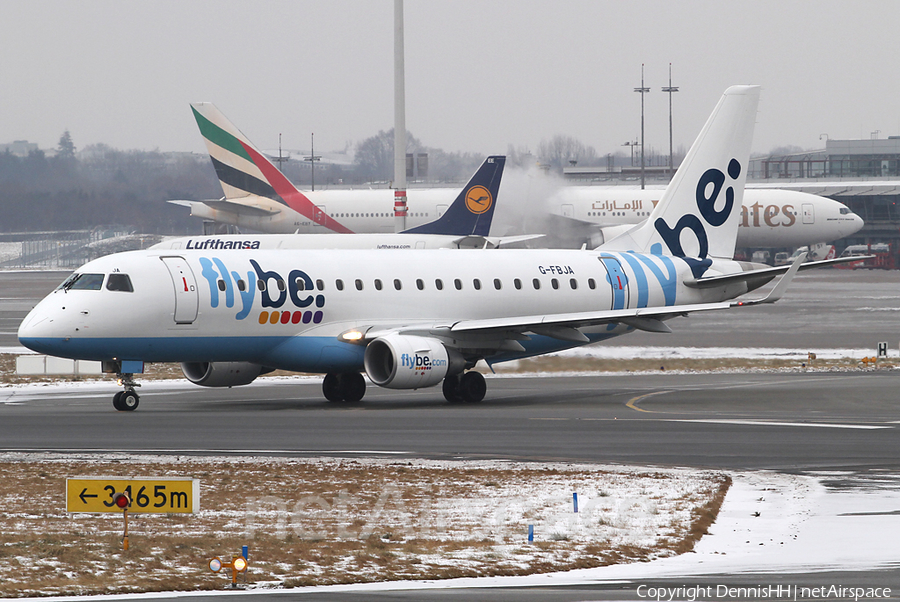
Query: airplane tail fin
472	211
704	197
243	170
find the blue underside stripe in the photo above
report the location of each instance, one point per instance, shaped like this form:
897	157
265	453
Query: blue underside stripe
296	353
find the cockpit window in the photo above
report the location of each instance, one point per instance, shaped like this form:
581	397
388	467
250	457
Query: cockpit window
845	210
119	282
82	282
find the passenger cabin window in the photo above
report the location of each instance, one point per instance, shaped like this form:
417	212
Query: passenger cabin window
573	283
518	284
377	284
260	284
221	284
320	285
439	284
397	284
458	284
119	282
301	286
497	284
592	284
477	284
281	285
83	282
339	284
242	286
359	285
537	284
420	284
554	283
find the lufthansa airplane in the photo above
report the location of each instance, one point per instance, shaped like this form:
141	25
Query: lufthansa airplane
413	320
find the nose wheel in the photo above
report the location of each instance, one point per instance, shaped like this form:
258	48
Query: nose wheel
127	400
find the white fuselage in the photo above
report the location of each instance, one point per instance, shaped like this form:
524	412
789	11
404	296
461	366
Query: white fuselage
771	218
286	309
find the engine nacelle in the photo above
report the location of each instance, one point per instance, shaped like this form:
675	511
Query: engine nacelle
222	374
399	361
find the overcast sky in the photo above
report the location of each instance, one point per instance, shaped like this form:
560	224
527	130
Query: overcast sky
480	74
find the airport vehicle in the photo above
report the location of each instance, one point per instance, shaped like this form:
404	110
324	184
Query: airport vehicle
413	320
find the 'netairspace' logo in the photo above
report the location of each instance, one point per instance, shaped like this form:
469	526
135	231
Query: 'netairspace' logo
274	292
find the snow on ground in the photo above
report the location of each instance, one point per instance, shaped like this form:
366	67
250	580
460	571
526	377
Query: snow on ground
803	525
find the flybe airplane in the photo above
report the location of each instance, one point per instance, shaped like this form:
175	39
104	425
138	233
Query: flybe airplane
413	320
257	197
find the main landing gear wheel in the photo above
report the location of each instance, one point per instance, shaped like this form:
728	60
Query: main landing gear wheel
126	401
349	387
469	387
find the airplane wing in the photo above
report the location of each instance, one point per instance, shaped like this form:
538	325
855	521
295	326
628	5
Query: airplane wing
503	334
230	206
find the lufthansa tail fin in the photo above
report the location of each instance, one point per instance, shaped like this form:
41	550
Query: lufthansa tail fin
472	211
243	170
698	214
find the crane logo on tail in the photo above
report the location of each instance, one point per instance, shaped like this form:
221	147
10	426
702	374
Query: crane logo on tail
478	199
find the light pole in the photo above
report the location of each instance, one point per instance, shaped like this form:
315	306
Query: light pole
642	90
312	158
670	89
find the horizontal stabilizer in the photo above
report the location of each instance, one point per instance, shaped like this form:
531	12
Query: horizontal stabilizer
230	206
766	274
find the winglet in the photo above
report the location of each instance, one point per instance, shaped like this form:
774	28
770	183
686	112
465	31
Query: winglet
780	288
473	210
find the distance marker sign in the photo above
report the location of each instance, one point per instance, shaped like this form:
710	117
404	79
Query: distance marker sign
148	496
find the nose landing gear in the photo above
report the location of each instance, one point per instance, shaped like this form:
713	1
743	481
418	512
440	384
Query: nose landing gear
127	400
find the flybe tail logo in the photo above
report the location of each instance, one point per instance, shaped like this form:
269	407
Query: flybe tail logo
478	199
707	193
289	301
420	363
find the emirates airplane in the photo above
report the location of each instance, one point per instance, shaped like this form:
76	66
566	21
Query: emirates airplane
410	320
257	197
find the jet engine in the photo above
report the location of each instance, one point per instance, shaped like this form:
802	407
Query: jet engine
222	374
399	361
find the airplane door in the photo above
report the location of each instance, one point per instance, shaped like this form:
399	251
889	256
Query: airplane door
618	282
568	210
809	213
187	299
440	210
319	215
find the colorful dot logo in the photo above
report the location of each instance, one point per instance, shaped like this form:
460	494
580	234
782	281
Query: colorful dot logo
290	317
